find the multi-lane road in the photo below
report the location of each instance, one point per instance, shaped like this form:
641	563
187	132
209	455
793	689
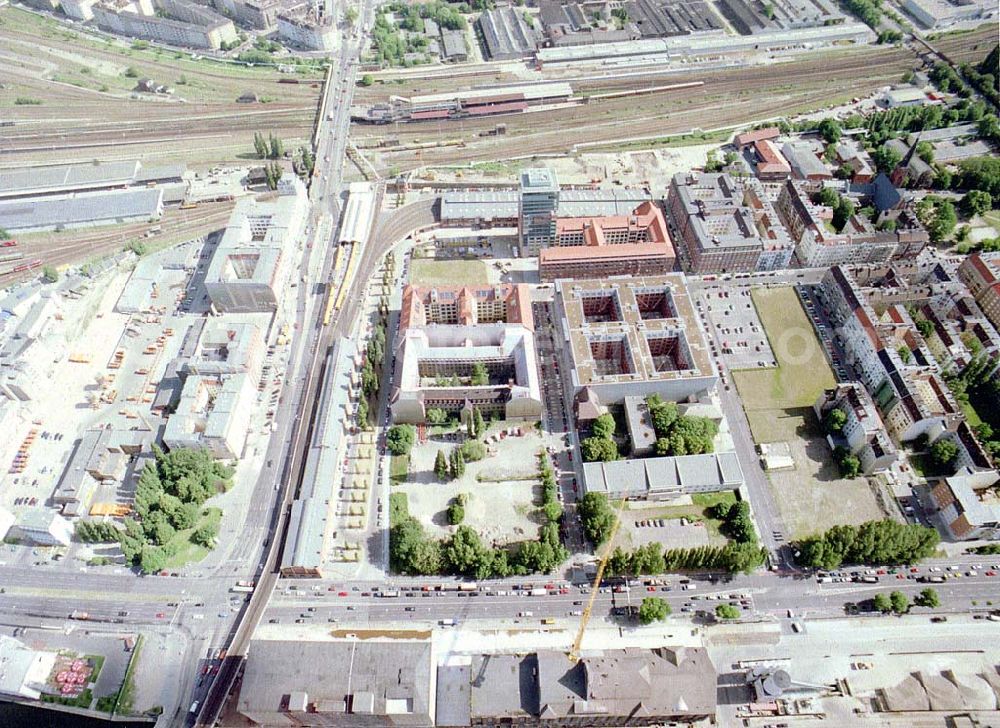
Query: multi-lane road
768	595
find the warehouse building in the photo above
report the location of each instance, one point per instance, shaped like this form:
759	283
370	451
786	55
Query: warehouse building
941	14
249	269
61	179
42	527
101	454
663	478
632	337
967	506
665	18
725	224
708	46
305	551
572	23
24	672
505	35
227	347
377	682
213	414
90	209
630	686
446	333
749	17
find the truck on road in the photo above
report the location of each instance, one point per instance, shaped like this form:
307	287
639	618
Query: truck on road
77	614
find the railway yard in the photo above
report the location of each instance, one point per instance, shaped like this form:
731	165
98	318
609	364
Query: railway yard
70	96
79	246
729	97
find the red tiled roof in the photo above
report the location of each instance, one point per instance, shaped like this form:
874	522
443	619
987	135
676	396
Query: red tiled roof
749	137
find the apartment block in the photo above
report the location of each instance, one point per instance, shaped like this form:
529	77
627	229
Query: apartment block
632	337
819	245
981	273
447	334
175	22
894	363
863	432
725	224
302	27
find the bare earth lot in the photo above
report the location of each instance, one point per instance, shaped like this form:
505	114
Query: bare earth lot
778	404
501	511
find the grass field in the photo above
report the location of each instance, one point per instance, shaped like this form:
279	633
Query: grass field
399	467
699	510
188	551
426	272
774	398
778	403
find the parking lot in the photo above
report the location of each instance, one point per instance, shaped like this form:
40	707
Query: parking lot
730	313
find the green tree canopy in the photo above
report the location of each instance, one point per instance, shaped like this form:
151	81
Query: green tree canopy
598	449
928	598
400	438
596	517
653	609
834	420
727	611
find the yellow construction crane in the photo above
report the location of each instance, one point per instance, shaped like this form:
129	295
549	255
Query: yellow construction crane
574	653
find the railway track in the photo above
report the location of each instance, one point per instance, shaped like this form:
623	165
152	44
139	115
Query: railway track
54	252
728	97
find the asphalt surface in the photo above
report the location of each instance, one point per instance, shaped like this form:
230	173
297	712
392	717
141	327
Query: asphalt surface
766	595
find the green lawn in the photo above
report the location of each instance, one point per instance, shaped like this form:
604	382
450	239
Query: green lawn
774	398
399	508
126	696
186	550
699	510
399	468
428	272
971	416
992	218
98	663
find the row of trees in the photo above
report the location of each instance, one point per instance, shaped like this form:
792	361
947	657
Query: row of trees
371	373
873	542
268	148
272	174
733	557
896	602
984	75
